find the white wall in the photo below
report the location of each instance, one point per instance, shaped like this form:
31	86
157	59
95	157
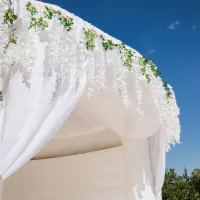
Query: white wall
91	176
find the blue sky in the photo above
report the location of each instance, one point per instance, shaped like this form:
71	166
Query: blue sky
168	32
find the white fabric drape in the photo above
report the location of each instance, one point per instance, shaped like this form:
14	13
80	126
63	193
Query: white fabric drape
20	7
147	158
40	112
157	156
50	126
138	177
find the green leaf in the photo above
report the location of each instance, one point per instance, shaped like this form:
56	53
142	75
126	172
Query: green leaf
9	17
90	38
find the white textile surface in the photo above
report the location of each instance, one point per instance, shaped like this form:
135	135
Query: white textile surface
90	176
39	114
157	156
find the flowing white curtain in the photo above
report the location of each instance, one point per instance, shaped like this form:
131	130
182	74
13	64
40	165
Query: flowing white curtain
144	167
34	111
157	156
138	176
37	131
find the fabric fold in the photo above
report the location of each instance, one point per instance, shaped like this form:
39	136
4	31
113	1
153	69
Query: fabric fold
157	155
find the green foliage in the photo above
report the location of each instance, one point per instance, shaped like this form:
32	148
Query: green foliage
31	8
48	14
107	44
9	17
66	21
154	69
38	23
126	56
143	62
181	187
12	40
167	91
90	36
196	179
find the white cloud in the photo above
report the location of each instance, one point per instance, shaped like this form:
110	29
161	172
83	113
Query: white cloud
150	51
174	25
171	27
194	27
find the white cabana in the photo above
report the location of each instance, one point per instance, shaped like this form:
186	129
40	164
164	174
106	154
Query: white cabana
107	116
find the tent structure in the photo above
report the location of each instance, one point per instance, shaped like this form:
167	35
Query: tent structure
90	114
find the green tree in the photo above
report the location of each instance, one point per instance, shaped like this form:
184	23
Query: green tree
195	178
181	187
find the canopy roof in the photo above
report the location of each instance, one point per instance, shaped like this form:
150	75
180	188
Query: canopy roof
81	133
128	79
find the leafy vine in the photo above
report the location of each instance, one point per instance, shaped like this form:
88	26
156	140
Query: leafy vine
48	13
167	89
9	18
31	8
90	36
35	23
107	44
12	40
127	56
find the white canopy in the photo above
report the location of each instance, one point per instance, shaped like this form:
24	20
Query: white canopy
51	62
